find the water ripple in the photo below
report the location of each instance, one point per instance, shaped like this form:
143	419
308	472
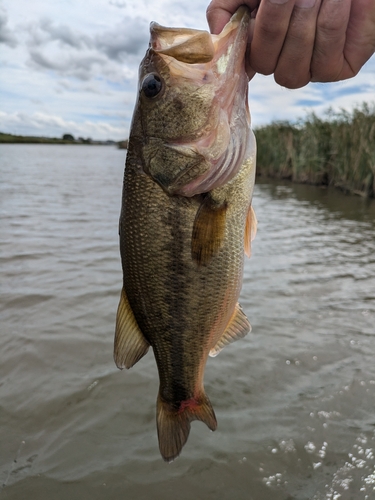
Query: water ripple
294	399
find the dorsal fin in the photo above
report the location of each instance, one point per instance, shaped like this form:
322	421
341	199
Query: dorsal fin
130	344
250	230
237	328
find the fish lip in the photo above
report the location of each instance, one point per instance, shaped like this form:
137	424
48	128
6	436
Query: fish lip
235	34
229	80
232	94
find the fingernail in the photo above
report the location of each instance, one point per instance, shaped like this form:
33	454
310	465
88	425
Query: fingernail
305	4
279	1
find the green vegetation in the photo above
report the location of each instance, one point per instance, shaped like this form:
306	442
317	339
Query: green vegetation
123	144
338	150
20	139
66	139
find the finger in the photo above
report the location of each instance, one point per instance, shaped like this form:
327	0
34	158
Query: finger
271	26
360	38
220	11
328	55
293	66
249	70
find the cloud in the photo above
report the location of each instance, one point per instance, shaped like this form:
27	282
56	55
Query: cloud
271	102
44	124
6	35
118	3
113	54
92	87
128	38
45	31
81	66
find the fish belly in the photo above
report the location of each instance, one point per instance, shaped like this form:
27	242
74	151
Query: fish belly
182	307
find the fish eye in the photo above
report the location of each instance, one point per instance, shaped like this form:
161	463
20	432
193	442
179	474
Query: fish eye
151	85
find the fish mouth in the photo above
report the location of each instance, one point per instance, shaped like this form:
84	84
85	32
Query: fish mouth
218	61
197	46
230	48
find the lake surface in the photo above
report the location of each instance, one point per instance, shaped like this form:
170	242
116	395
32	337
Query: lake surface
294	400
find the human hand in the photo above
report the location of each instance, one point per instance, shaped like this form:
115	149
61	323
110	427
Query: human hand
304	40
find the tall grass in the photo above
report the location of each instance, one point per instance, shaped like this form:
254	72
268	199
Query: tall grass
337	150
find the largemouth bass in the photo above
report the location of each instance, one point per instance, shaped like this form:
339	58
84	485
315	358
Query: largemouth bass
186	218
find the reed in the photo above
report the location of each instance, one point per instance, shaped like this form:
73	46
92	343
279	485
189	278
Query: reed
337	150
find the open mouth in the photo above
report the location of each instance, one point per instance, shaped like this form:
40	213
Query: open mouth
218	61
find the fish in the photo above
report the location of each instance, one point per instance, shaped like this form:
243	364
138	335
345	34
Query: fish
186	220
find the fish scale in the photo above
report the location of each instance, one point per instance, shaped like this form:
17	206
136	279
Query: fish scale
182	256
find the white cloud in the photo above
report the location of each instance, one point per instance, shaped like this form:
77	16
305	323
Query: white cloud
129	37
42	124
112	54
7	35
77	61
270	102
82	66
45	31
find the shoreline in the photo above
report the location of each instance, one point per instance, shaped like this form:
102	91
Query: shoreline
337	151
344	188
24	139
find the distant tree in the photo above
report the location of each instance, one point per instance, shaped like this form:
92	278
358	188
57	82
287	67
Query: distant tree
68	137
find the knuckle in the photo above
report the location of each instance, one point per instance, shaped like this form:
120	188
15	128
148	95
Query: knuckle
262	67
324	67
291	80
330	28
210	12
323	75
271	31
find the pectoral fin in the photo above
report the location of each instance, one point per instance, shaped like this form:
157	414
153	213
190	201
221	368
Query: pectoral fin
208	231
237	328
250	230
130	344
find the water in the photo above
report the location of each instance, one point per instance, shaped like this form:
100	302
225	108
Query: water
294	400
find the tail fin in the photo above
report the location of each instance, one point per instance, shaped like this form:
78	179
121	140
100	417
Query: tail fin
174	425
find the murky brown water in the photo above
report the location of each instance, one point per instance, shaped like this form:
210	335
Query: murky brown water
295	400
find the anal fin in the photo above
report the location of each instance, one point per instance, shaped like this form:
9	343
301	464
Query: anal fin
237	328
250	230
130	344
208	231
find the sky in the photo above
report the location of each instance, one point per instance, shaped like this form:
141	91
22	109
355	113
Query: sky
71	67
